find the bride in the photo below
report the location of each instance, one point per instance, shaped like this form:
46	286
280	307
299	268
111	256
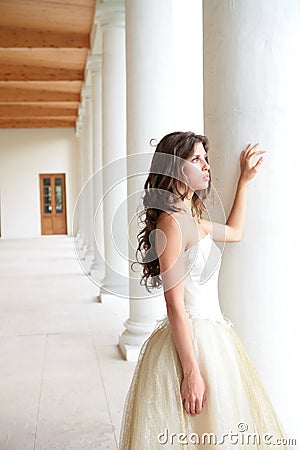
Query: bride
194	384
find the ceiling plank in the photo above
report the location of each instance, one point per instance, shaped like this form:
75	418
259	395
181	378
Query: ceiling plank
45	122
10	111
32	73
22	37
47	58
51	91
43	104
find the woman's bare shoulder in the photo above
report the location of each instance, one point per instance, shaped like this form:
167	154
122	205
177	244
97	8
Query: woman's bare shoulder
168	235
170	218
165	220
175	226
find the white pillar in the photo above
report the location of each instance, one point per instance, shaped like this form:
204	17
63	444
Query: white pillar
111	18
187	73
94	65
78	215
164	94
149	115
252	95
87	194
81	205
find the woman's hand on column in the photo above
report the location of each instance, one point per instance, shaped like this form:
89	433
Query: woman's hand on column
248	170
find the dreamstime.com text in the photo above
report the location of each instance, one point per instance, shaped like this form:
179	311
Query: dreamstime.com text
234	438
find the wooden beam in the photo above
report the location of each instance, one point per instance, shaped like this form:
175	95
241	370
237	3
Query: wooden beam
73	58
36	110
71	16
42	64
22	37
43	122
32	73
31	91
73	105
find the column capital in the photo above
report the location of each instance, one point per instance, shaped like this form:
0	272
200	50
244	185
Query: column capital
110	14
94	63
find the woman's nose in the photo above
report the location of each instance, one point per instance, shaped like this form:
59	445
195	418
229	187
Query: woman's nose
205	166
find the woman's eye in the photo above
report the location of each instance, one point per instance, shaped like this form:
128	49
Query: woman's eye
196	159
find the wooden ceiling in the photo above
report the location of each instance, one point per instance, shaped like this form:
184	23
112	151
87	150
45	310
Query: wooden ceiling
44	46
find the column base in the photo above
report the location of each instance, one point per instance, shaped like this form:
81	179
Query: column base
87	262
120	291
80	253
79	246
97	266
111	288
130	345
97	271
79	239
130	352
133	337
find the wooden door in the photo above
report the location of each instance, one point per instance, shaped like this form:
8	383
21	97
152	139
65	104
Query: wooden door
53	204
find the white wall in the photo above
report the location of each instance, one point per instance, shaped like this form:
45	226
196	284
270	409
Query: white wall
24	154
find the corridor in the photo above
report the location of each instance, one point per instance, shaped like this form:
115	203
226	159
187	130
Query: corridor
88	88
62	379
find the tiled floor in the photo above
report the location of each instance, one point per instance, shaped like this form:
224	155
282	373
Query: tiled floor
63	380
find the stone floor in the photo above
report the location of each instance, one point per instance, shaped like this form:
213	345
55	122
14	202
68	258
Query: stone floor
63	380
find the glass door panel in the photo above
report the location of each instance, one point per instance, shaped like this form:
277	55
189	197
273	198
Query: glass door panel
47	195
58	196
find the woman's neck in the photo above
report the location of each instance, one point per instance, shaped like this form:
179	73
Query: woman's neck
187	199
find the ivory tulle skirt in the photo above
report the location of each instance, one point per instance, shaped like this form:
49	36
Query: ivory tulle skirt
237	413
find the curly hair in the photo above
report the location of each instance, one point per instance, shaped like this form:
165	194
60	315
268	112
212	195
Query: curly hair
161	193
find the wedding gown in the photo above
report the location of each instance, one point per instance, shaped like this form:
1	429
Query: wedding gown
236	401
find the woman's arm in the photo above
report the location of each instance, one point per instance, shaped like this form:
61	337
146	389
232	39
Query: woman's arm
170	248
193	389
235	222
233	230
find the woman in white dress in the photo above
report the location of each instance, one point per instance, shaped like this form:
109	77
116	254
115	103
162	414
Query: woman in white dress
194	385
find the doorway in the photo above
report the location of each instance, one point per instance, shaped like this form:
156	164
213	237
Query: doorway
53	204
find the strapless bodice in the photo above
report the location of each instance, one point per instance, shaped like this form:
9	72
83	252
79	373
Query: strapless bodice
201	297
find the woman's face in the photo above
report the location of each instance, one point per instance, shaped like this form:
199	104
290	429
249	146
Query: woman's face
197	169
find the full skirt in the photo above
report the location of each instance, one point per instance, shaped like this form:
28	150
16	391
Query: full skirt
237	413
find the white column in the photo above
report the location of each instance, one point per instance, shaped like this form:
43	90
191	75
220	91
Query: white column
111	18
94	65
252	95
87	194
164	94
78	215
81	205
149	115
187	73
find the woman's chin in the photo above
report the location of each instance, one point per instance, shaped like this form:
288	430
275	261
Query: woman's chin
202	186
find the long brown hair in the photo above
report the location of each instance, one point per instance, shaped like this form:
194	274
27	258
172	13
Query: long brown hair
161	194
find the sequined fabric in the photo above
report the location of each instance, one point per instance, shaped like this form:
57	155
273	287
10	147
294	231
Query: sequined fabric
153	415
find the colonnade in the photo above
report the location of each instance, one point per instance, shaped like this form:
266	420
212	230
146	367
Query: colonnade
220	68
